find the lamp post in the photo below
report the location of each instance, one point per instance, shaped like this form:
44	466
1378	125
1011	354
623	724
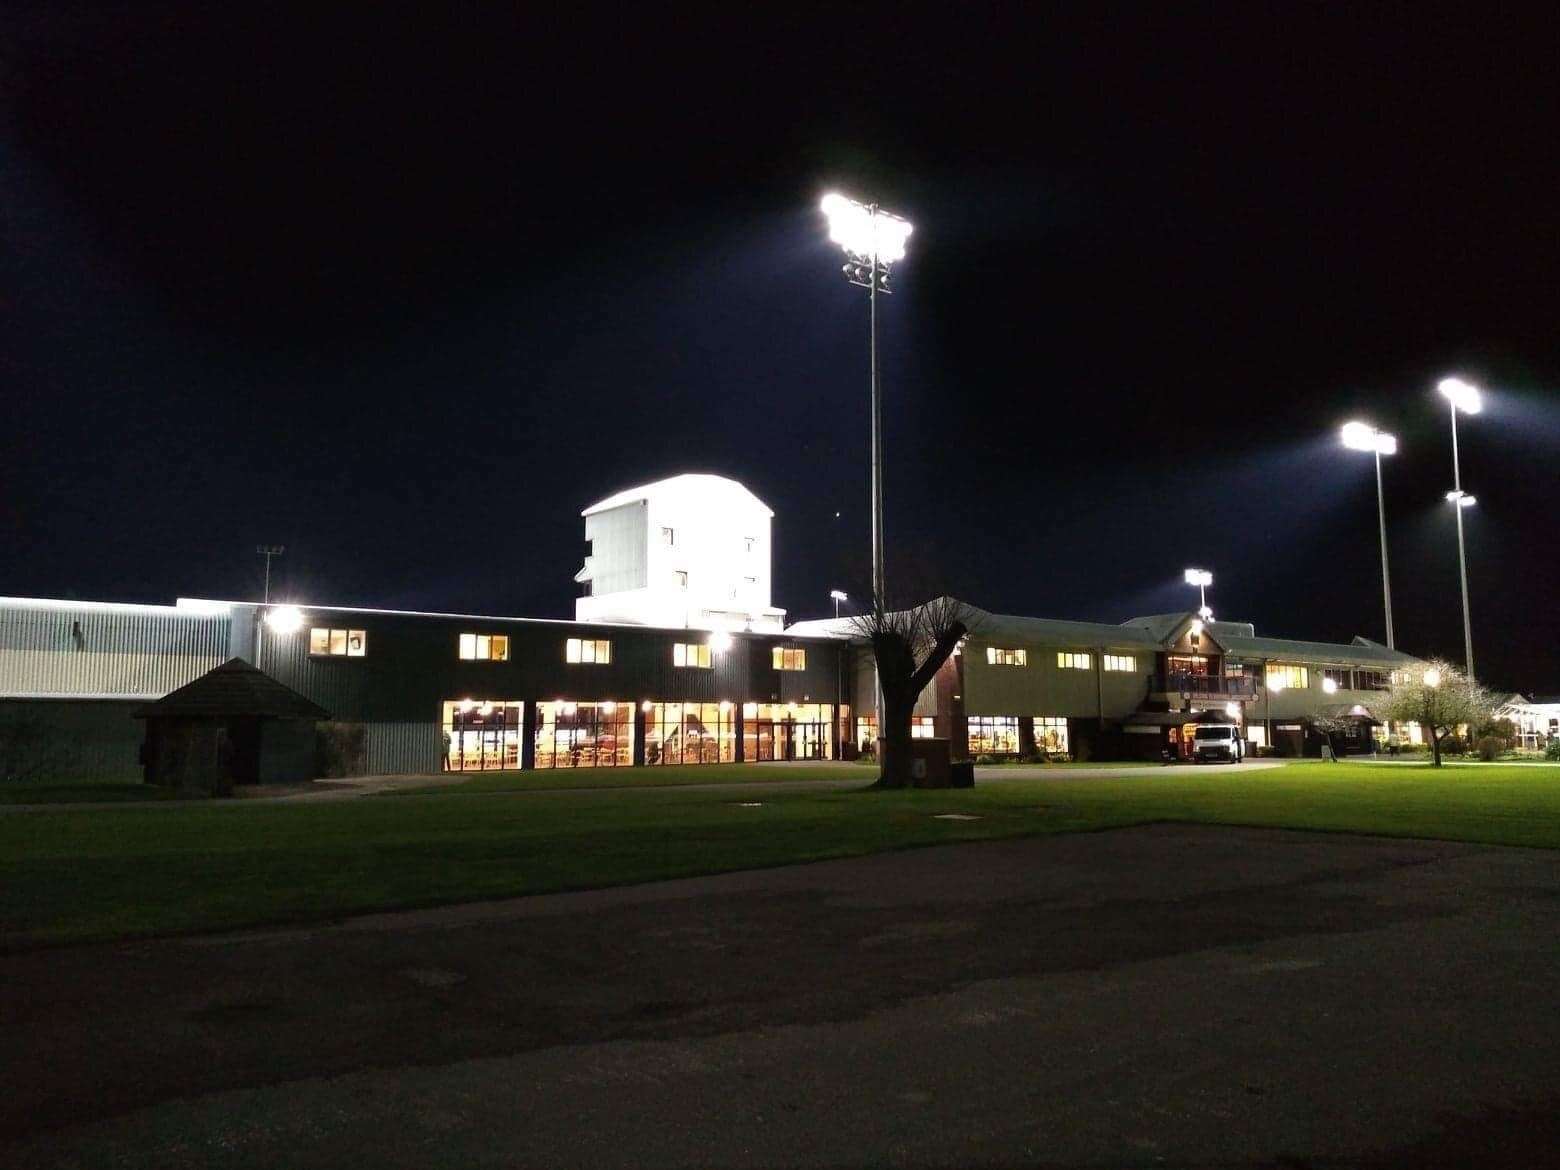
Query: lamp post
1358	436
1201	578
873	240
268	551
1461	396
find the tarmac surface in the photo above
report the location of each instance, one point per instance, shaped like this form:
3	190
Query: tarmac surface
1158	996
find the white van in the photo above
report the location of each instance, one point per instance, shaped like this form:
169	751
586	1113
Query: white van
1218	741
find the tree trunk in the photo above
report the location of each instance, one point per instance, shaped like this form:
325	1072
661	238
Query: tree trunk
894	767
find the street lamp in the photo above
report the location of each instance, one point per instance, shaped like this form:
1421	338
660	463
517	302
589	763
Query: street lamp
1358	436
838	596
1461	396
1201	578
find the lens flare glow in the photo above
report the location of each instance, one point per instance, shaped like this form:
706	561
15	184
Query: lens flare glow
1463	395
865	233
285	619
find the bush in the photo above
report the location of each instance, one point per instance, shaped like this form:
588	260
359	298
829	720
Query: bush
985	759
1489	747
1453	745
1552	750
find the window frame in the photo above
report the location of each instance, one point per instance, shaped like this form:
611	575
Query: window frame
1074	660
495	645
1119	663
600	653
345	641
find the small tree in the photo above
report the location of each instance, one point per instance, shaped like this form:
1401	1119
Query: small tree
1439	698
1330	726
909	646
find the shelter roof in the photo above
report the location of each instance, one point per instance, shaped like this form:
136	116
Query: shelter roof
231	690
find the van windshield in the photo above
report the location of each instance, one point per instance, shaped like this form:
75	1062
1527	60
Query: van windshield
1215	733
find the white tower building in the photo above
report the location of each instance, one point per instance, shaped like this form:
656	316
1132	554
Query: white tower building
690	551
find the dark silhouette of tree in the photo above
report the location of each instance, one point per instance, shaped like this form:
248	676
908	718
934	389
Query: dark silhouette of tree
909	646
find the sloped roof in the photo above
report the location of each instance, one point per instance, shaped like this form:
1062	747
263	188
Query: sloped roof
695	485
233	689
1361	651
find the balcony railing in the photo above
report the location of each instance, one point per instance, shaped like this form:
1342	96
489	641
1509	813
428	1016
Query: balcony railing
1208	685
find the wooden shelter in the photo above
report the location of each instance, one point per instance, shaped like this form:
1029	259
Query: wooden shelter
232	725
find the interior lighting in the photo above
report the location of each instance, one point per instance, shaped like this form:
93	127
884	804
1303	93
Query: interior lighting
285	619
647	706
467	706
1276	683
1462	395
725	706
608	707
486	709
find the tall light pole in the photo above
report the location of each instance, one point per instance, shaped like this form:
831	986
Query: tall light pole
837	595
1461	396
268	551
1358	436
1201	578
873	240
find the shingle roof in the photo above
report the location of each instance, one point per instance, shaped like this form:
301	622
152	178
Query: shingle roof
235	688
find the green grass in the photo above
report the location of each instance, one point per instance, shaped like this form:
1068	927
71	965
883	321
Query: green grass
658	777
81	791
70	875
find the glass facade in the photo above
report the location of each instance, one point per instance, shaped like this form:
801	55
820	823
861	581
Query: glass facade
866	733
690	733
787	731
993	735
1051	733
482	734
584	735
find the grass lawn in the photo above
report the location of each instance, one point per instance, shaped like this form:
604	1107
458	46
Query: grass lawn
81	791
68	875
659	777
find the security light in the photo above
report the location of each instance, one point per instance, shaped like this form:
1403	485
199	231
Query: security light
1330	686
1462	395
285	619
720	641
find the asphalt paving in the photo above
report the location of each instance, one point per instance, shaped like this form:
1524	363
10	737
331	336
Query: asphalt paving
1158	996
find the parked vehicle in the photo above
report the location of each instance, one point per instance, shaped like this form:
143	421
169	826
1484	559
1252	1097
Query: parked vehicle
1218	741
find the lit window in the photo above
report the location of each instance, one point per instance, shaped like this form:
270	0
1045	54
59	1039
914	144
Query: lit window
1125	662
484	647
338	643
789	658
1070	660
991	735
669	537
1340	676
1286	677
691	654
680	579
1051	732
997	656
593	650
921	727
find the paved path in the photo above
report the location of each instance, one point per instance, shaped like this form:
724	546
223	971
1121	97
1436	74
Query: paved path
1168	995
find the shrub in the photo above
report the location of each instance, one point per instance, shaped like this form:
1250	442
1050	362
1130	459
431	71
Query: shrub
1552	750
1454	745
1489	747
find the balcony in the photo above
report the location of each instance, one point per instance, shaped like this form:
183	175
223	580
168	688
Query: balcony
1206	686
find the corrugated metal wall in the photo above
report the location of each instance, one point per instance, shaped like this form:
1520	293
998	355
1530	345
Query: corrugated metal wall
84	649
401	748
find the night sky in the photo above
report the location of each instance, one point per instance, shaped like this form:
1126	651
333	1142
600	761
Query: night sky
407	295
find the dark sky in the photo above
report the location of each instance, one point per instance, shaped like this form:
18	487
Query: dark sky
405	295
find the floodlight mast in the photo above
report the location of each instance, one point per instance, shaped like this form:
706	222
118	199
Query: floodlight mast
1359	436
1461	396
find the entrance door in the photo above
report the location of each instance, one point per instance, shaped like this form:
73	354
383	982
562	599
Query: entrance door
804	741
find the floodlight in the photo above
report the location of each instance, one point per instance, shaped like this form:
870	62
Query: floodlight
838	595
1432	677
285	619
1462	395
1386	444
1199	577
1359	436
867	233
720	641
1461	498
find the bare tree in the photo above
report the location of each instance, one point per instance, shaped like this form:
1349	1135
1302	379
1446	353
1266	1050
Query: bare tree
909	646
1440	698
